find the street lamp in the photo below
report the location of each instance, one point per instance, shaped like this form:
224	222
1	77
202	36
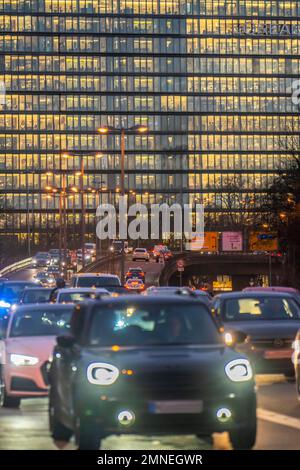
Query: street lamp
139	129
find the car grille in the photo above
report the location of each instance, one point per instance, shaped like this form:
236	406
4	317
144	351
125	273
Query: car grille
272	343
20	384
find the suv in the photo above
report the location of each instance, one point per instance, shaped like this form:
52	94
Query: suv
41	259
141	365
95	280
140	253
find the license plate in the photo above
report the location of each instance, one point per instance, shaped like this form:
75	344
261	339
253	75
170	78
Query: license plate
278	354
176	407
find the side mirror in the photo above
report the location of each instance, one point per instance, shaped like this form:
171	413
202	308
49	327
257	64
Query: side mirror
65	341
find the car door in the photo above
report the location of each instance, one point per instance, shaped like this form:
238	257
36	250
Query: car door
66	365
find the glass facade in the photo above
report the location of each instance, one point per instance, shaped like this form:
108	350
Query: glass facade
212	79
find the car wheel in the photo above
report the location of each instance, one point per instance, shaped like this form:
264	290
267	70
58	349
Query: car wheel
59	432
244	438
87	434
6	401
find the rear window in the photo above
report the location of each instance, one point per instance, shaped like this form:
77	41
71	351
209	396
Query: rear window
75	297
36	296
260	308
97	281
139	324
42	322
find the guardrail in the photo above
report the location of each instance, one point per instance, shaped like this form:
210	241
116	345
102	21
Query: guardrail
109	262
12	268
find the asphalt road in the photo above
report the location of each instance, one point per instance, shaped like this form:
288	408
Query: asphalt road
27	428
278	415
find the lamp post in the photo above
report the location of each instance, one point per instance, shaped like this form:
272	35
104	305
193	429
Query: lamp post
62	194
122	131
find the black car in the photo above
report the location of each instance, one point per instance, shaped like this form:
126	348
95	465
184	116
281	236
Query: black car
148	366
271	321
135	273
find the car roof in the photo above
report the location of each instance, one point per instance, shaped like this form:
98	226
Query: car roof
37	288
243	294
139	299
287	290
48	306
70	290
30	283
95	275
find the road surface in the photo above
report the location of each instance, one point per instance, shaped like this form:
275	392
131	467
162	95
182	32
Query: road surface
278	427
278	413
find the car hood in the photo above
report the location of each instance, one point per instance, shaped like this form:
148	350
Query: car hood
189	368
266	328
38	346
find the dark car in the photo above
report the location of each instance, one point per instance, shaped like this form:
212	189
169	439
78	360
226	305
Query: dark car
11	292
35	295
135	273
144	365
270	320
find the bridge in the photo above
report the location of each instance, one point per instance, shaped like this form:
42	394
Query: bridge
241	267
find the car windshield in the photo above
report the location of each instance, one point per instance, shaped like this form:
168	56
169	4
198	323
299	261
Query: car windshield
42	322
97	281
36	296
12	292
142	324
260	308
73	297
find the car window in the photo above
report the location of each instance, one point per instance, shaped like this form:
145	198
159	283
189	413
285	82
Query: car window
36	296
152	324
97	281
74	297
43	322
260	308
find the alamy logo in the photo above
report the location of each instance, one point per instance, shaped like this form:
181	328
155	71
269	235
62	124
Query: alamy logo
296	92
161	221
2	92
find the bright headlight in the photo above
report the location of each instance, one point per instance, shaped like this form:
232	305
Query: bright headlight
239	370
21	360
100	373
4	304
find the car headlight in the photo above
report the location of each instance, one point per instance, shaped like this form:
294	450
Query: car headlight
101	373
22	360
4	304
239	370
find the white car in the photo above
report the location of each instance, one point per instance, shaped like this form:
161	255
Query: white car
75	295
140	253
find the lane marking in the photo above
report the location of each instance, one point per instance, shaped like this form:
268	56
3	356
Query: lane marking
277	418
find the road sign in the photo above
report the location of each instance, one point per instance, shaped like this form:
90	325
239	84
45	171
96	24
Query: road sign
263	241
210	242
232	241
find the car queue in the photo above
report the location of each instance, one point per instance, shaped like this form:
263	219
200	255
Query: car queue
171	360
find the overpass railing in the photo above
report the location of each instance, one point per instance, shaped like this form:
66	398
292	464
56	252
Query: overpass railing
18	266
